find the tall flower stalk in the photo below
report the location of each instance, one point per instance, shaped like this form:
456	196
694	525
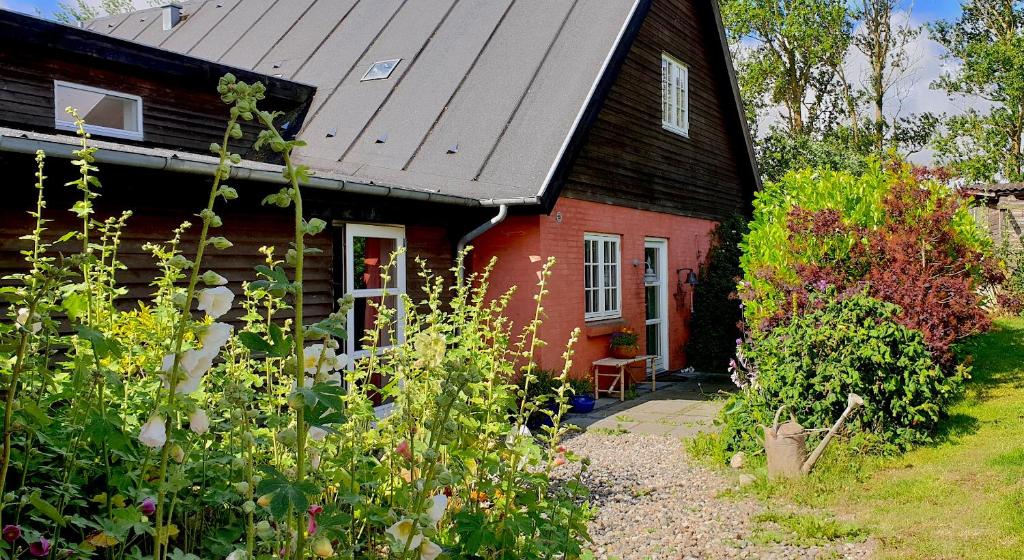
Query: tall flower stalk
243	98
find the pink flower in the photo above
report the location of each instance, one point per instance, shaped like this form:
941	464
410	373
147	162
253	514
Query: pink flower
313	511
147	507
40	548
404	451
11	533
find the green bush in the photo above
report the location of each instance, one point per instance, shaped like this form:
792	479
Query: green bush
850	345
716	310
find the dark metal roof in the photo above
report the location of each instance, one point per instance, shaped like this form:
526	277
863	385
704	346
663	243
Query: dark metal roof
995	189
481	105
489	101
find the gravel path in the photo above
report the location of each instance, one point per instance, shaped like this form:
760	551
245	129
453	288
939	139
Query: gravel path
654	504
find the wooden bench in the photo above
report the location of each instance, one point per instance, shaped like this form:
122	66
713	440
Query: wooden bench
619	366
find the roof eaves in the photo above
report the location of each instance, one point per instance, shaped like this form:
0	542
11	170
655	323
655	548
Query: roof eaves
18	141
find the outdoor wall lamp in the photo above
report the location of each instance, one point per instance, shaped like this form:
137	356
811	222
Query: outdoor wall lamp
650	276
691	276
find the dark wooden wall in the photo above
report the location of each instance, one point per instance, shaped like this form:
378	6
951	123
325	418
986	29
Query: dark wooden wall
161	201
173	117
630	160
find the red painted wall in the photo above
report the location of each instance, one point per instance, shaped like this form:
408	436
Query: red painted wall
522	243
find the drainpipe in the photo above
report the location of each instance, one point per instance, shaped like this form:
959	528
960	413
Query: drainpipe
480	230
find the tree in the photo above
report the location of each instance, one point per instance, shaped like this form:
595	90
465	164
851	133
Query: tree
82	11
987	46
790	51
883	39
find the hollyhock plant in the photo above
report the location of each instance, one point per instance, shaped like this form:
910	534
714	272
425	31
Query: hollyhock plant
211	278
215	336
404	531
215	301
313	511
11	533
39	548
153	433
199	421
23	321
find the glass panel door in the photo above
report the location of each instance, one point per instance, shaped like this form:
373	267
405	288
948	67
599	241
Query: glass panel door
375	276
656	296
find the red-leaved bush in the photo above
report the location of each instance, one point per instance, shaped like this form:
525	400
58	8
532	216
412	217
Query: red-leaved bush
915	255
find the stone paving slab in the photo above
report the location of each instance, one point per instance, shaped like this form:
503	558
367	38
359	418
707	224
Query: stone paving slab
677	408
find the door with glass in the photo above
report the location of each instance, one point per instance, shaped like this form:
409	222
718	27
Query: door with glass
375	276
656	299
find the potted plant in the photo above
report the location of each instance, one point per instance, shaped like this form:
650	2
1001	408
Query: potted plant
583	400
623	343
541	392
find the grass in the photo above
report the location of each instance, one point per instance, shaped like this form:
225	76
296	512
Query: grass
802	529
961	497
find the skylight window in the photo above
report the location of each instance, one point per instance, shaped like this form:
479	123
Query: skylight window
381	70
106	113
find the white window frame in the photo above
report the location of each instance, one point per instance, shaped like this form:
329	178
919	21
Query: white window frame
384	232
604	311
675	91
61	121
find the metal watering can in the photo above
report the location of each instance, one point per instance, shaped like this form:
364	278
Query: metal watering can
785	445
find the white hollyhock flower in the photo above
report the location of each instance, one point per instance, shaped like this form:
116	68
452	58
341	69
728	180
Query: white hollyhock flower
438	505
199	421
237	554
319	359
23	319
215	301
317	434
194	364
429	550
401	532
153	433
215	337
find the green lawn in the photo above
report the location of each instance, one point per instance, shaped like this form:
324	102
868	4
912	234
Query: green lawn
962	497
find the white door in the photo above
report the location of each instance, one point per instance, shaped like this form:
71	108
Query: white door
368	252
656	299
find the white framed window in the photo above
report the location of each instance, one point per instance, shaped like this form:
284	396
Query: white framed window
601	276
368	252
675	95
105	112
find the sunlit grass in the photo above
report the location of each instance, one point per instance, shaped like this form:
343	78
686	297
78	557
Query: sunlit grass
961	497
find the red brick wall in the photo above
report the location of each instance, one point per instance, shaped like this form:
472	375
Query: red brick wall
523	243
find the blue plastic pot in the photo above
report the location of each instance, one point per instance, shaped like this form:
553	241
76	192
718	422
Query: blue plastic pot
582	404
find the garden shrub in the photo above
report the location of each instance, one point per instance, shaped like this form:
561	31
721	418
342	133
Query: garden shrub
847	345
164	432
905	237
714	324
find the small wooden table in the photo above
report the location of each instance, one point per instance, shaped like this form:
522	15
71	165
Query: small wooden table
620	365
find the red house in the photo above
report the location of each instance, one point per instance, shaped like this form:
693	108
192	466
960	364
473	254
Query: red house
606	133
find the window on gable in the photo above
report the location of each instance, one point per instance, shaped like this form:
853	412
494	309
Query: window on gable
675	95
106	113
601	274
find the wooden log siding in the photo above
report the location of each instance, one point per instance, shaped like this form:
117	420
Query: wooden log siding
248	231
628	159
172	118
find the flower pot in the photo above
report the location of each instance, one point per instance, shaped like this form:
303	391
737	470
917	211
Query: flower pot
582	404
625	352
